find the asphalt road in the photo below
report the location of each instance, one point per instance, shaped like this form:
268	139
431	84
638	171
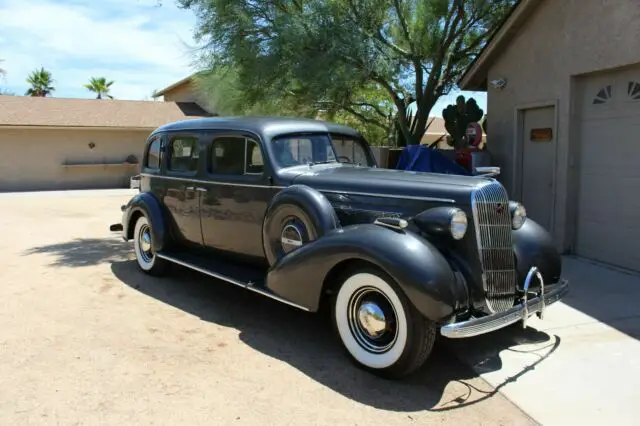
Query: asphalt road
85	338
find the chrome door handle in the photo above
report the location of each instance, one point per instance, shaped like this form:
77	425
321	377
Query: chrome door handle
190	188
201	189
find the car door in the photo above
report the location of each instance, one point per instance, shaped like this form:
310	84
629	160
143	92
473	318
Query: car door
181	196
236	197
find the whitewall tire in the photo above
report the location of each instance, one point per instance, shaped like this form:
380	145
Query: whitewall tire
146	257
378	326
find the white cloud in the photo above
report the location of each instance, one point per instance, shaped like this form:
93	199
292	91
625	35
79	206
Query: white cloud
139	45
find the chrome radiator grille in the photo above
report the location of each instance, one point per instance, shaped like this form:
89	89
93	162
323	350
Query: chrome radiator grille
492	220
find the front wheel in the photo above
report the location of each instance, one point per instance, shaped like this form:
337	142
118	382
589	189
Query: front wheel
143	246
378	326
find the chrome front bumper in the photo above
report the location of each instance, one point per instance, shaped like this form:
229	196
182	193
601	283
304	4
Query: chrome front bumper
522	312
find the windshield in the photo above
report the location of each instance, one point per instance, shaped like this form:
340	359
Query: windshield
303	149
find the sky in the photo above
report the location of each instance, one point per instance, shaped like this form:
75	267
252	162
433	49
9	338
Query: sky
136	43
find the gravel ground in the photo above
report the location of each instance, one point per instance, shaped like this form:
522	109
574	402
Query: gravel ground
87	339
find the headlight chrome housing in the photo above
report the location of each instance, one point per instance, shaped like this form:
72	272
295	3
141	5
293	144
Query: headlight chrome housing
458	224
518	214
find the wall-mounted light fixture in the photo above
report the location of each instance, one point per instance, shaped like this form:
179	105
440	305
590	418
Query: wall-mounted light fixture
498	83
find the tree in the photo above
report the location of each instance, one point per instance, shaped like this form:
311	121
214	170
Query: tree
41	83
331	50
369	111
100	86
3	72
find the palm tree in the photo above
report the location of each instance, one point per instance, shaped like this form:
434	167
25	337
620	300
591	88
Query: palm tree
41	83
100	86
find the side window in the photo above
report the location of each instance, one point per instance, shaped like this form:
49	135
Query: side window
236	155
153	155
183	154
254	162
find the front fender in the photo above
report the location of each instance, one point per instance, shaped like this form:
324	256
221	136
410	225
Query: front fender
145	203
418	267
534	246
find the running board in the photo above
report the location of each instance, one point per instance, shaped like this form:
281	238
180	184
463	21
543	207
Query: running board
240	282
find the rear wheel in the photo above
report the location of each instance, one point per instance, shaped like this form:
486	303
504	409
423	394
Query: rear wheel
378	326
146	257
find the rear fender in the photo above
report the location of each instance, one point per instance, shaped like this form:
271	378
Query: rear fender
145	203
417	266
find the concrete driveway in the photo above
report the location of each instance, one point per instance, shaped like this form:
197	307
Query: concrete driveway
581	365
87	339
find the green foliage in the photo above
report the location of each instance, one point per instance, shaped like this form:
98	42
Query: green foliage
41	83
369	110
457	118
337	51
100	86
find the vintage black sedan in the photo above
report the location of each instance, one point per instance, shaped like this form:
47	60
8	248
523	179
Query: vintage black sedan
298	211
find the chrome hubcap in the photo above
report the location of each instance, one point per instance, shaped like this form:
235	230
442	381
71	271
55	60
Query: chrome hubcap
372	320
144	239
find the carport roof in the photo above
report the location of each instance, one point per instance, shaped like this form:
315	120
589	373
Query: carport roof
93	113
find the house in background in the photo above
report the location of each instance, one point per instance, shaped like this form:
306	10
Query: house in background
183	91
563	83
58	143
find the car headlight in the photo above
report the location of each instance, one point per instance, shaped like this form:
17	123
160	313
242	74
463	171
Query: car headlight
458	224
518	214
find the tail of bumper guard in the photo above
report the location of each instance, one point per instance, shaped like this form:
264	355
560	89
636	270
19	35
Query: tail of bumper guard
521	312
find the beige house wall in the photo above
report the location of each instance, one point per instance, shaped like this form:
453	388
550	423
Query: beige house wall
34	159
182	93
561	40
186	93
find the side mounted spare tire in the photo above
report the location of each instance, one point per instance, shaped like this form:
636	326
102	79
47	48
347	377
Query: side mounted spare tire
296	215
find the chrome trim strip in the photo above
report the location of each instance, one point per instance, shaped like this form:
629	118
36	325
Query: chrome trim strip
211	182
400	197
329	191
489	323
247	286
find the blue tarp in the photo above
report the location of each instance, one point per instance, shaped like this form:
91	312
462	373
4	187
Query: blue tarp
421	158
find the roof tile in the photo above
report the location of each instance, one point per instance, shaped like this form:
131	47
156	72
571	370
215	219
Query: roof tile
65	112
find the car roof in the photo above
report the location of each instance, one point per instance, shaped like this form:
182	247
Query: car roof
266	127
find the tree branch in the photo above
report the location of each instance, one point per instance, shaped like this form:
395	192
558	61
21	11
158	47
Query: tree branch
403	23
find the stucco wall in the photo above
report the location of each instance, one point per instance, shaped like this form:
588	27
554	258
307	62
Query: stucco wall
182	93
561	39
32	159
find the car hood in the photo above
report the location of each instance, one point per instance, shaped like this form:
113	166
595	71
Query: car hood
398	183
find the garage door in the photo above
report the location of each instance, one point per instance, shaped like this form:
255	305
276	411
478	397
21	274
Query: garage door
609	198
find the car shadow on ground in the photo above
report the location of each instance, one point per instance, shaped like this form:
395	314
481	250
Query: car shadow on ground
84	251
306	342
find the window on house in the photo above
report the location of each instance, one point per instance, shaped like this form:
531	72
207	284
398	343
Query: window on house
153	155
236	155
633	90
603	96
183	154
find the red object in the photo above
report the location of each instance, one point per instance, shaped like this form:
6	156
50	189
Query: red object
463	157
